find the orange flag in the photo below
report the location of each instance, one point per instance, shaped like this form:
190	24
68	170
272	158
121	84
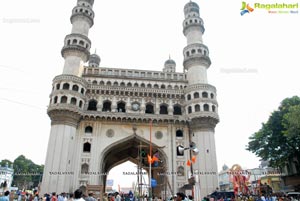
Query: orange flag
152	159
194	159
188	163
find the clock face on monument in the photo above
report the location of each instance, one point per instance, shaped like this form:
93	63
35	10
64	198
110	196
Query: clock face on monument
135	106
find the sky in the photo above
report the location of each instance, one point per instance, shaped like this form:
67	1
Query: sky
255	62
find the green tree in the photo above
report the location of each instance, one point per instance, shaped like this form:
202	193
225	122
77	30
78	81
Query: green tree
278	139
5	162
26	173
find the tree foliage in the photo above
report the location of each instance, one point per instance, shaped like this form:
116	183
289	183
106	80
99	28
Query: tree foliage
5	162
278	140
27	174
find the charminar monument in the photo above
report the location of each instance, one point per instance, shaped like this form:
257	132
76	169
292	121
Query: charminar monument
102	117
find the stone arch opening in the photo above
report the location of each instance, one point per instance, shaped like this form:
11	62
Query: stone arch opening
130	149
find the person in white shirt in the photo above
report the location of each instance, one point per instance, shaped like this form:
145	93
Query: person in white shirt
78	195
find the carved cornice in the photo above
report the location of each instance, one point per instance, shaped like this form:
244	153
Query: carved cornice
137	89
203	114
65	117
72	78
204	123
204	87
75	50
83	15
196	60
195	26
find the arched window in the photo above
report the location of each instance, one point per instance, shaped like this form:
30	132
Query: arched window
95	82
108	83
92	105
82	91
155	86
149	86
204	94
163	109
177	110
84	168
86	147
136	85
189	109
143	85
66	86
55	99
149	109
88	129
213	108
122	84
196	95
169	87
129	85
162	86
73	101
58	86
106	106
121	107
101	83
206	107
189	97
211	95
80	104
75	87
63	99
197	108
179	133
115	84
74	41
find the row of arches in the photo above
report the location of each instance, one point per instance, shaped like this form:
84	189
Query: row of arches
142	85
67	86
75	41
196	51
197	95
193	21
66	100
121	107
84	11
206	108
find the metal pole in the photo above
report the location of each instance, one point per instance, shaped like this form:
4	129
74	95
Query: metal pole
150	176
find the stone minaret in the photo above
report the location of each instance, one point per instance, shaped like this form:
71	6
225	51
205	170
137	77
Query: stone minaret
67	99
77	44
201	104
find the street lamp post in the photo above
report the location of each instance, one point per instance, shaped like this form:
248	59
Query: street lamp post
192	150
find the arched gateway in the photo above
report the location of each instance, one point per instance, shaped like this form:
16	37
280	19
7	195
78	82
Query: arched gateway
102	117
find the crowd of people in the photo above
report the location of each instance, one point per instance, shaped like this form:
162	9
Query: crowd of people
80	196
269	197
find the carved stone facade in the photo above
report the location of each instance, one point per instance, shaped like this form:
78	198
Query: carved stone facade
102	117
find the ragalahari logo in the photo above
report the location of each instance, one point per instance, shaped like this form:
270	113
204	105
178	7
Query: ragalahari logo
245	8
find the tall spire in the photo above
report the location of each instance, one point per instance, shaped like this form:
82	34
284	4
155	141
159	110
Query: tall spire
77	45
196	59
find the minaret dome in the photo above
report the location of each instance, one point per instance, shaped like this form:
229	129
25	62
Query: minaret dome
94	60
170	66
